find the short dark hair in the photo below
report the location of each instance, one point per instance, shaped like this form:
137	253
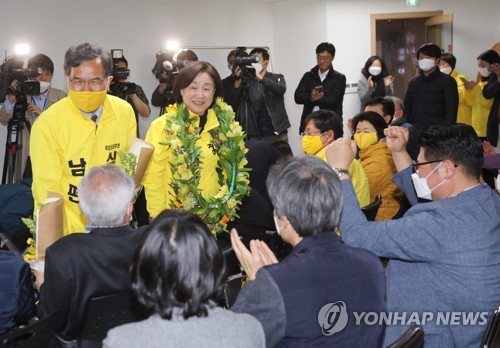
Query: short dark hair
450	59
263	51
458	143
374	118
187	55
326	120
429	49
189	73
42	61
231	54
326	46
76	55
178	264
489	56
369	63
387	106
313	180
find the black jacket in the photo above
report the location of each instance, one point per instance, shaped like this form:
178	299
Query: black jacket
80	266
492	90
333	88
431	100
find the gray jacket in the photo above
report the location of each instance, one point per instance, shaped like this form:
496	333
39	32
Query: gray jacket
221	328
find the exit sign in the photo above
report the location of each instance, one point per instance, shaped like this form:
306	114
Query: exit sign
412	2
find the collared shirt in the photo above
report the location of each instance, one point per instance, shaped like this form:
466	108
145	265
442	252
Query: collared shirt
89	115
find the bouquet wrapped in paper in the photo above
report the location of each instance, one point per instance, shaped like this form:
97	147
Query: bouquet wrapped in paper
136	160
46	228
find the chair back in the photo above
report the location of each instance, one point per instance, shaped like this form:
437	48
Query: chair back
411	338
371	209
491	337
38	334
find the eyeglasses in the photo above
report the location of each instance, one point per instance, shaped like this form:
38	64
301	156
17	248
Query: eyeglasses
79	84
312	133
323	58
416	164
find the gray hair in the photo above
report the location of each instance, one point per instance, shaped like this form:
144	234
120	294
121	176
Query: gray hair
104	194
75	55
307	191
397	101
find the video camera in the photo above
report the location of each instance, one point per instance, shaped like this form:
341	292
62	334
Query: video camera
243	60
12	69
117	86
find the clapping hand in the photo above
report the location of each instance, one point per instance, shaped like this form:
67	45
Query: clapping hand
468	84
389	81
254	259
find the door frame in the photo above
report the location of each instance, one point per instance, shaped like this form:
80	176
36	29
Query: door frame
400	15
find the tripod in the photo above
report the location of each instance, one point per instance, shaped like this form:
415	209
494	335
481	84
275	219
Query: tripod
13	161
246	116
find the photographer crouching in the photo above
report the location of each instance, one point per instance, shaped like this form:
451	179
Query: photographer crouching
129	91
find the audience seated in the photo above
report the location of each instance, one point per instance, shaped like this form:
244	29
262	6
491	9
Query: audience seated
320	273
178	274
16	202
80	266
444	255
377	162
321	128
17	291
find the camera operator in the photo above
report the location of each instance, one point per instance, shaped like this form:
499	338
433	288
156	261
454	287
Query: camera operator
164	70
44	68
265	98
131	92
232	83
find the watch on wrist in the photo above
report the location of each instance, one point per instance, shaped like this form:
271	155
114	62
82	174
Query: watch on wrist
341	171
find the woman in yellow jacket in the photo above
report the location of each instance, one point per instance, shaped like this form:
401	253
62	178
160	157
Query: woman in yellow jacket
474	93
376	160
190	156
447	66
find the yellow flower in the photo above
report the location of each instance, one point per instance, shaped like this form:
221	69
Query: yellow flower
174	128
231	203
191	128
175	144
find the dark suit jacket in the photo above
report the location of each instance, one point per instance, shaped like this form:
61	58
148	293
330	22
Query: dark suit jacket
81	266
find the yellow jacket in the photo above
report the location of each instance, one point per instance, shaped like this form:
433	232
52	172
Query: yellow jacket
379	168
65	143
358	177
158	176
480	108
464	110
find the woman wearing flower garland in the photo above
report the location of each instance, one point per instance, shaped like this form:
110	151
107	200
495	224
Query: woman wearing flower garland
199	158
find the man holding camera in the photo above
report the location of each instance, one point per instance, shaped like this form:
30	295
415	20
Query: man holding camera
267	118
164	71
86	129
131	92
43	69
322	87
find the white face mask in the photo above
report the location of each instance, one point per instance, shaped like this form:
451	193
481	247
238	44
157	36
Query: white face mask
278	228
446	70
421	187
44	86
484	72
426	64
257	66
374	70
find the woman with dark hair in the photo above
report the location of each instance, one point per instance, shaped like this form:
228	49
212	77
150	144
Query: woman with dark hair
376	160
481	107
199	157
177	274
375	81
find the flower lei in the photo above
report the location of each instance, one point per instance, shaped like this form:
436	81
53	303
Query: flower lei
182	135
